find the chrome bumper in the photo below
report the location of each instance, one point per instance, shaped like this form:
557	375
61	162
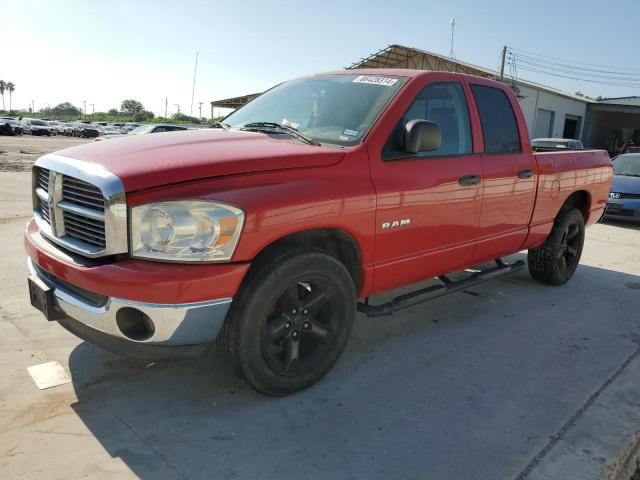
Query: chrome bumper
172	324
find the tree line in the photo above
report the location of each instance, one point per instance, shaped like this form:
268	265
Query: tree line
6	87
130	111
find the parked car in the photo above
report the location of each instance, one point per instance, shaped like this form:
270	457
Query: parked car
144	129
53	126
61	128
87	130
128	126
553	144
264	232
9	126
34	126
624	199
69	129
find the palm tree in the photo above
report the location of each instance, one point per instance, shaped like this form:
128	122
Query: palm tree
10	88
3	87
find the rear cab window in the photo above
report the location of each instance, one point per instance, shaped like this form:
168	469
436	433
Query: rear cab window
499	126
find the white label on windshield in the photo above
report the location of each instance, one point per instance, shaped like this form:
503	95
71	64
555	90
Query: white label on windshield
387	82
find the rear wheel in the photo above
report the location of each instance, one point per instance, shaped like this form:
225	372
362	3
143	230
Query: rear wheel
290	322
556	260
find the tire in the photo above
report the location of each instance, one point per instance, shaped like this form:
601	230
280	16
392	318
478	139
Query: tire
556	260
290	321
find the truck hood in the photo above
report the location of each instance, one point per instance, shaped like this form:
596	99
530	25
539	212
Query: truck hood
625	184
156	159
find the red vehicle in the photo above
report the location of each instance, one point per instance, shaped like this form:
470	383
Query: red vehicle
268	232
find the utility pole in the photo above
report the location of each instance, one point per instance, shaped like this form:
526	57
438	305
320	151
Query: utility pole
193	88
212	111
504	58
200	109
177	105
93	109
166	103
84	108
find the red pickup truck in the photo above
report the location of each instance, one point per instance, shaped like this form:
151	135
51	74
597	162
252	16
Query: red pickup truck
268	232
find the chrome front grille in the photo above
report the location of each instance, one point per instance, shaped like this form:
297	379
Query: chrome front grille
84	229
42	183
43	179
80	206
82	194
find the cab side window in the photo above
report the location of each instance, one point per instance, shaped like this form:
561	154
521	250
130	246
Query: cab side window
445	105
499	127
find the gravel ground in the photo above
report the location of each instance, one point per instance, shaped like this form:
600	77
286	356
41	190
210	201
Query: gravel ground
17	154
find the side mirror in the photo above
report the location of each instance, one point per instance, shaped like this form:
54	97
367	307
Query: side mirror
422	136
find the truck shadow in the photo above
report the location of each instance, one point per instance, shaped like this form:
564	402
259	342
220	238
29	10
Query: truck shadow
492	372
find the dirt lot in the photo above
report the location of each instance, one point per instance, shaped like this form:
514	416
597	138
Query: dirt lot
507	380
17	154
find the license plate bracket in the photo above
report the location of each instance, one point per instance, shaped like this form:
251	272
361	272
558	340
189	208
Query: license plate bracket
42	298
614	208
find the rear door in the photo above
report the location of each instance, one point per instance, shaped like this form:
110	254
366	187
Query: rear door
509	174
428	204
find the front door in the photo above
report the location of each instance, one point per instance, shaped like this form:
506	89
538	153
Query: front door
428	204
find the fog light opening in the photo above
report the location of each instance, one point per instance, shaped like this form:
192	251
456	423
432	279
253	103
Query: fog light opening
134	324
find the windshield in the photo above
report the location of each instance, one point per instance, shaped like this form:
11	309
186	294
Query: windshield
628	165
336	109
142	129
38	123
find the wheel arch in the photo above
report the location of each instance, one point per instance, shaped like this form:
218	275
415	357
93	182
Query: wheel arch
580	199
335	241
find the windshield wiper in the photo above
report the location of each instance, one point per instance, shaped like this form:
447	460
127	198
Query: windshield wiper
224	126
260	126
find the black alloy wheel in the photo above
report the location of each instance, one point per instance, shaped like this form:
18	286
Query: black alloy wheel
299	328
557	259
290	321
570	244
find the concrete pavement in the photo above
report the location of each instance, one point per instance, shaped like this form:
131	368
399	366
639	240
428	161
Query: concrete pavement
508	380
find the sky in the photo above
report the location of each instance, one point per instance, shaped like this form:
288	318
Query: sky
103	52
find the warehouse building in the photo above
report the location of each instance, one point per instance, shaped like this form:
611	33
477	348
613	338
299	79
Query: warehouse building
613	124
548	112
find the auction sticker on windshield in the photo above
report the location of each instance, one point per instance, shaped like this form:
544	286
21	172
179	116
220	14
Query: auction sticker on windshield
387	82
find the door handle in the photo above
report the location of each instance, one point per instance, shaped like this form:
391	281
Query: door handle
528	173
468	180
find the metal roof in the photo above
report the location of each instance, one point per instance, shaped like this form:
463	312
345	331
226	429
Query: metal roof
632	101
401	57
234	102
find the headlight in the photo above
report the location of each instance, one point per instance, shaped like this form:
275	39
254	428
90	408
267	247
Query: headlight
185	231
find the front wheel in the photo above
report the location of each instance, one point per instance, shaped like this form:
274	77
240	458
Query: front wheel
290	322
556	260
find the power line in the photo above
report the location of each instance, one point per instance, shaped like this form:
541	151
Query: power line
571	67
631	85
573	72
569	61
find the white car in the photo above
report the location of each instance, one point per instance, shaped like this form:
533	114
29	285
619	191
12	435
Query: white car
541	144
144	129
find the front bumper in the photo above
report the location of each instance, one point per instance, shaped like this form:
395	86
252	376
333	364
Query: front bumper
117	323
623	209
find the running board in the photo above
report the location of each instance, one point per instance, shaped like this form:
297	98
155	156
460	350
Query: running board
435	291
